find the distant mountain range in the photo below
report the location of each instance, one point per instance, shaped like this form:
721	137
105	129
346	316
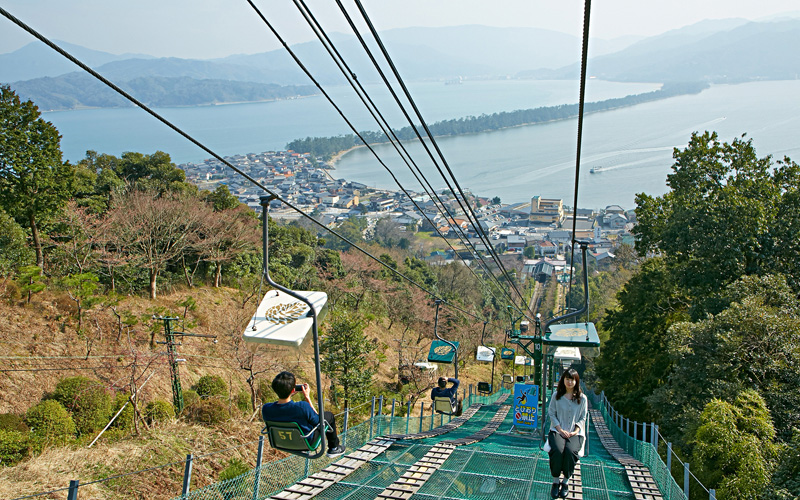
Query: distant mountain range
731	50
727	51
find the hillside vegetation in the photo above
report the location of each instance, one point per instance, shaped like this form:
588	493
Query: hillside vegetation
94	254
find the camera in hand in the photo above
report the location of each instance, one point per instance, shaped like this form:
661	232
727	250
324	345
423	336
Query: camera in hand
298	388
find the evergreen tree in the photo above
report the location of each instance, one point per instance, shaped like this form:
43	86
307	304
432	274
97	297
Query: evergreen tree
345	349
34	182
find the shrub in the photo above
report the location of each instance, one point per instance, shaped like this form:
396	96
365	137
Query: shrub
12	422
50	422
13	447
125	419
87	401
190	398
209	411
243	401
265	392
158	411
235	468
211	385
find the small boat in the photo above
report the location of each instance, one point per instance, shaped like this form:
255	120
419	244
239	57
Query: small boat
595	170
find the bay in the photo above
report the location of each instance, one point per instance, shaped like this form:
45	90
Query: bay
632	146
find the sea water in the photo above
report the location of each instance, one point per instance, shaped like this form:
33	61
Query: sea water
631	148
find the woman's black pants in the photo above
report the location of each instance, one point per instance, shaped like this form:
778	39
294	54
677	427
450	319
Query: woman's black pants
563	453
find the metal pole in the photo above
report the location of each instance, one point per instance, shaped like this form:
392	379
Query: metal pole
371	417
712	494
408	415
635	431
432	415
628	426
187	475
258	466
73	490
669	457
391	421
686	479
421	414
380	406
346	421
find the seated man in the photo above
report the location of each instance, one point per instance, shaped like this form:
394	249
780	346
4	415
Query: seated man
301	412
442	391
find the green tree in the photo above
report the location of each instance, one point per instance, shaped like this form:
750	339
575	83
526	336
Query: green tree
14	250
734	446
81	289
34	182
529	252
30	280
222	199
716	222
496	200
345	350
754	343
635	360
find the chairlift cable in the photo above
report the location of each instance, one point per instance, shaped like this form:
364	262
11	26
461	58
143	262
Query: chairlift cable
205	148
468	212
458	230
581	102
372	108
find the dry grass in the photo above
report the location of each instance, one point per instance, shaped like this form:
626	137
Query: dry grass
44	335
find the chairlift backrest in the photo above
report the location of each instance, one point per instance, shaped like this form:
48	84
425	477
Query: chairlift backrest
443	405
288	436
484	387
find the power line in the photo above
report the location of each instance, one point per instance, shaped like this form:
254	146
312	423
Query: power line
219	158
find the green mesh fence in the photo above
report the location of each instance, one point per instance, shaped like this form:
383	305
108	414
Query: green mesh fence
642	451
506	465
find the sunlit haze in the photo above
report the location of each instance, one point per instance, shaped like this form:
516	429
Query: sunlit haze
205	29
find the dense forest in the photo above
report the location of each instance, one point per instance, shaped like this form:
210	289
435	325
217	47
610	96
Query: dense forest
325	147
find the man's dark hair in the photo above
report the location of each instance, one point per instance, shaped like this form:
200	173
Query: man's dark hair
283	384
442	382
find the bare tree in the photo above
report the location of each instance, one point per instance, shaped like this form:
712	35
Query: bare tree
226	235
156	229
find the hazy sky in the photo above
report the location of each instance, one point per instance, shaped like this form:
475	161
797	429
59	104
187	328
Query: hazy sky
216	28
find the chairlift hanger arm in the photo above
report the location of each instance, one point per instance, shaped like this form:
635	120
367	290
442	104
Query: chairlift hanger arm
436	334
584	246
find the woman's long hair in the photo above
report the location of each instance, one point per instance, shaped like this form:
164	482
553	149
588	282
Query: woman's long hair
562	387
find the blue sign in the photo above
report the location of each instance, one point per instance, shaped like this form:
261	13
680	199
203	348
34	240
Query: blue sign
526	406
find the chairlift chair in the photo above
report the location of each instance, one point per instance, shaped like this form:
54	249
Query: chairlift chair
289	437
440	353
287	324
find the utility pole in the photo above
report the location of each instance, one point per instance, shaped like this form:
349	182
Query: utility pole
169	341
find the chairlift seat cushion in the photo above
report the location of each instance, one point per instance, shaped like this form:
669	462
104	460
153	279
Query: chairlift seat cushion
484	387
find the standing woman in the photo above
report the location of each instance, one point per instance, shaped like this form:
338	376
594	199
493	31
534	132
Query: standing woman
567	411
